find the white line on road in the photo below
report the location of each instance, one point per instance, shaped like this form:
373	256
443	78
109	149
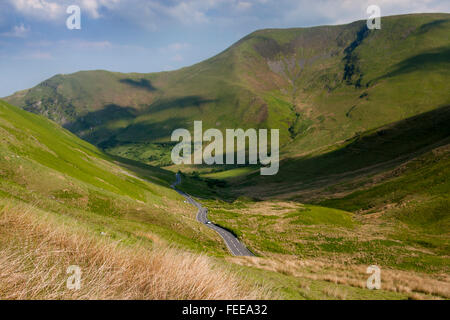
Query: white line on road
230	240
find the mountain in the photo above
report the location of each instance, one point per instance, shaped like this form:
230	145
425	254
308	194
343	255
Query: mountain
44	165
364	176
318	85
64	203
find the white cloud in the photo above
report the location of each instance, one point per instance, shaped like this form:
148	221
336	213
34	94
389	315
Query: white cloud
187	12
175	49
95	44
19	31
177	46
153	13
56	9
40	9
336	12
243	5
93	6
40	55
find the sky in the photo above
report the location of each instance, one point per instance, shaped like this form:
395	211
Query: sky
154	35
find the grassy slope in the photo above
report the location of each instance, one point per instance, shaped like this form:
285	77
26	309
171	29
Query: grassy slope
366	154
409	242
416	194
297	80
44	165
64	202
401	205
391	189
402	72
394	179
36	248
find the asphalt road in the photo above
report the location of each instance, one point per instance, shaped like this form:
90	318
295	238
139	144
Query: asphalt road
233	244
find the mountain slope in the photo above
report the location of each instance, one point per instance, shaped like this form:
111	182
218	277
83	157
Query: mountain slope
364	180
44	165
317	85
63	202
363	156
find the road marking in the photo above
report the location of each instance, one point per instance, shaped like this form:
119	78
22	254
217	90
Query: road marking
202	217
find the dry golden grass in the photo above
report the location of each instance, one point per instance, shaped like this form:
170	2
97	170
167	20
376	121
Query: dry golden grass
36	249
333	264
335	293
270	208
415	285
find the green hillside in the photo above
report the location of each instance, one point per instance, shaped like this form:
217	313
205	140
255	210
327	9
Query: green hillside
64	202
364	175
44	165
361	157
317	85
379	198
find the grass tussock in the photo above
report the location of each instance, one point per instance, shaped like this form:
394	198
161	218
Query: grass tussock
414	285
36	250
334	293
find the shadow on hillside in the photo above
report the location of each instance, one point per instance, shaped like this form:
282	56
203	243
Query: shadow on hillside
150	131
110	112
426	61
150	173
193	185
99	127
371	152
431	25
184	102
141	83
368	153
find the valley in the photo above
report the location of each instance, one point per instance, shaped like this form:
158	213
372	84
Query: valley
86	176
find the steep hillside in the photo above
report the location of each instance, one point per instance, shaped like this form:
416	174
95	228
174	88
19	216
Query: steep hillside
379	198
364	179
317	85
63	202
362	157
46	166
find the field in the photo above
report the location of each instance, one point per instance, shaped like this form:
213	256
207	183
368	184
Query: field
320	243
37	247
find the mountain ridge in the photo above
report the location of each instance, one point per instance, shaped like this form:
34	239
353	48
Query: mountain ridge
363	180
317	85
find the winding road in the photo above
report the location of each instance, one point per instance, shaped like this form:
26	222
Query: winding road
234	245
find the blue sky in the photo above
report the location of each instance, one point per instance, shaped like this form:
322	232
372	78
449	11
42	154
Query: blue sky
153	35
